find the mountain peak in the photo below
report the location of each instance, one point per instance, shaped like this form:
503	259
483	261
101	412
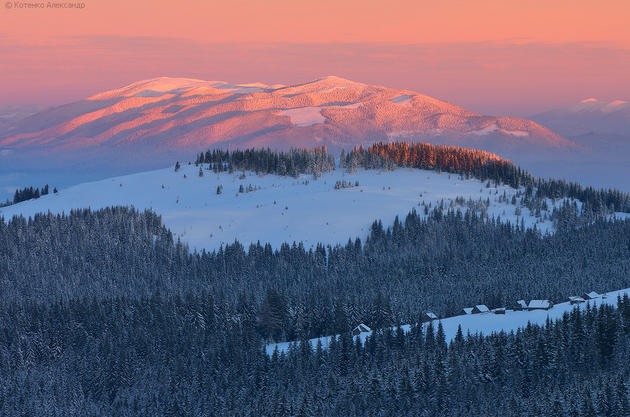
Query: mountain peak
588	117
158	86
616	103
335	81
593	102
596	105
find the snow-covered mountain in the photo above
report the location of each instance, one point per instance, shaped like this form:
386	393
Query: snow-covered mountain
167	116
589	116
602	128
281	209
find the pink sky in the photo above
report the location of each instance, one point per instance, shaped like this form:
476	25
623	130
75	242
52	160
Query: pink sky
502	57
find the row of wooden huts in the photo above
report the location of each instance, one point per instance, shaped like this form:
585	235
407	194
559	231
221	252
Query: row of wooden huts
520	305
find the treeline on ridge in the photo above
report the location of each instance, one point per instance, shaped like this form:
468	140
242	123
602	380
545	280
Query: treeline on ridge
265	161
474	163
483	166
27	193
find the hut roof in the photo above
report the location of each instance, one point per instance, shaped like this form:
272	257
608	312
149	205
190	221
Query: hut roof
362	328
482	308
539	304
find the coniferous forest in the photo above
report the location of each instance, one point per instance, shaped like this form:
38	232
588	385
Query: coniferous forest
27	193
105	313
266	161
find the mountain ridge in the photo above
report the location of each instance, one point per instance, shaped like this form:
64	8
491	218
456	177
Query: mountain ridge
175	114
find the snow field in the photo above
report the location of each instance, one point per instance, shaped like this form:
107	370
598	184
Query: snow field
279	209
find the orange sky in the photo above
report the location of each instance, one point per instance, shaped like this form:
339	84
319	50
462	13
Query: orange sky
514	52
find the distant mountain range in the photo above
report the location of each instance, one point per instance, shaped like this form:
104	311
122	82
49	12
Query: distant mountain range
602	128
589	116
171	115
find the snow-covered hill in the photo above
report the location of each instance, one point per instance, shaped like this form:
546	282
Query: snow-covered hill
484	323
281	209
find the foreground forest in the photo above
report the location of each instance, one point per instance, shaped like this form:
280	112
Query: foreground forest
444	263
171	356
103	314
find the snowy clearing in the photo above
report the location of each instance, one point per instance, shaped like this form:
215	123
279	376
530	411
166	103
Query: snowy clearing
304	116
403	100
484	323
494	128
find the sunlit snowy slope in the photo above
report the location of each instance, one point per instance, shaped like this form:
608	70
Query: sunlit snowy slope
280	209
166	115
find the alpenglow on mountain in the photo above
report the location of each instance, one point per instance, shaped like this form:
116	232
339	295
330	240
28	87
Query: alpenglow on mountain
173	116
